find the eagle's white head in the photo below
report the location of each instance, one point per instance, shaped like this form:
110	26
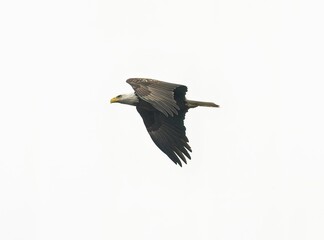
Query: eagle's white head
129	99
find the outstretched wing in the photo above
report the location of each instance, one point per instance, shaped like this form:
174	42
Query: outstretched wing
159	94
168	133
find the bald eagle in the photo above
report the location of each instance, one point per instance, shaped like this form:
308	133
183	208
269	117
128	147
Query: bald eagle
163	107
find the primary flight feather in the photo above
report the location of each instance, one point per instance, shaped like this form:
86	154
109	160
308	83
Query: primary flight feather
163	107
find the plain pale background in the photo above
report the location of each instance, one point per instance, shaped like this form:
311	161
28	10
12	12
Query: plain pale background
75	167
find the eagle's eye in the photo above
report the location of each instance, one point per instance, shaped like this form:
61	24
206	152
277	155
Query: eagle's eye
119	96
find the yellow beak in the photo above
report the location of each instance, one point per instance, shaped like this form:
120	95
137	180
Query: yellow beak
113	100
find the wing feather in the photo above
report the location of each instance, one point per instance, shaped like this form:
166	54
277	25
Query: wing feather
158	93
168	133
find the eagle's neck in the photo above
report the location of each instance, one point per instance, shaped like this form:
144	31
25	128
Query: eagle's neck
129	99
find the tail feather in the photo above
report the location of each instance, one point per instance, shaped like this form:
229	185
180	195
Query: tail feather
193	104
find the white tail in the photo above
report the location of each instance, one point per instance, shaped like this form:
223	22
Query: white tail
193	104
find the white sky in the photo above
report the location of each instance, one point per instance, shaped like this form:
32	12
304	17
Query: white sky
72	166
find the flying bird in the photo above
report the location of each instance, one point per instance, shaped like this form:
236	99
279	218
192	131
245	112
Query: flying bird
163	107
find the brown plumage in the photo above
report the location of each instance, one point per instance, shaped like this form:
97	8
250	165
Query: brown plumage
163	107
